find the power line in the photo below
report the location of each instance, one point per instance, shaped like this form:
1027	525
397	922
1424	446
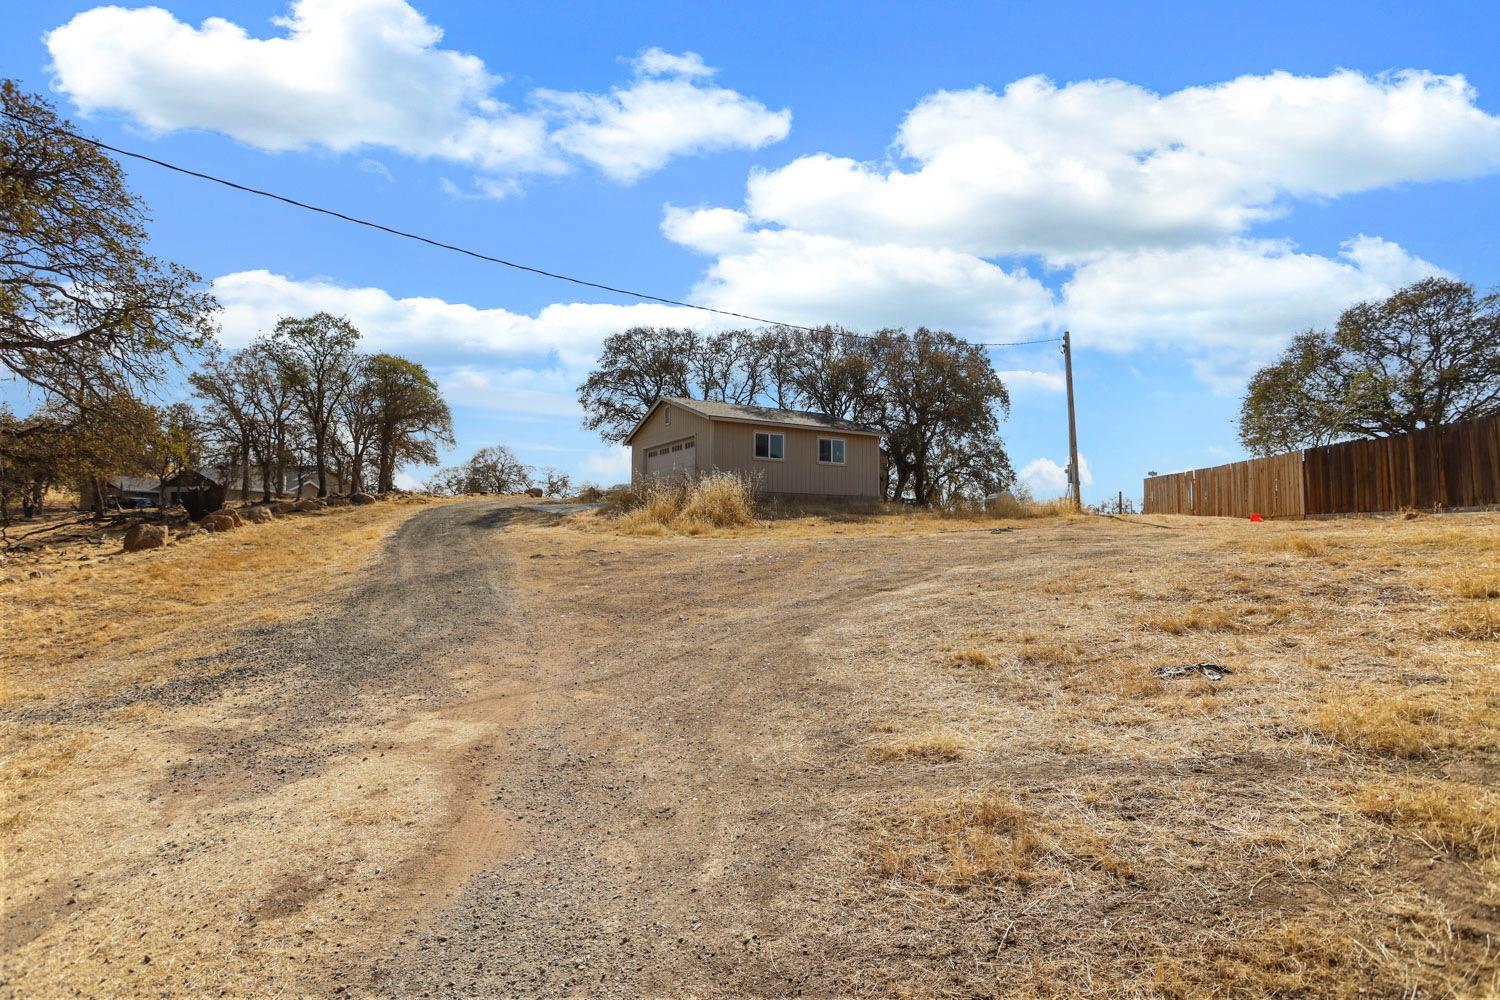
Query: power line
418	237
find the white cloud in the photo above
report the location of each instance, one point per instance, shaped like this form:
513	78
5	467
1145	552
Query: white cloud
532	393
655	62
345	75
609	466
804	278
1138	201
1046	478
372	166
636	129
1231	305
1072	170
1018	378
572	332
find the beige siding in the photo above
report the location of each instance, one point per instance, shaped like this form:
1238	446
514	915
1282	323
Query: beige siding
659	430
800	472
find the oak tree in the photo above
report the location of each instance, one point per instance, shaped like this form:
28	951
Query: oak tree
1427	355
86	314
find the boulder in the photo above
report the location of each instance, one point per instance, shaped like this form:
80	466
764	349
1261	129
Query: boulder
233	515
219	521
257	515
360	499
145	536
535	492
339	502
307	506
283	507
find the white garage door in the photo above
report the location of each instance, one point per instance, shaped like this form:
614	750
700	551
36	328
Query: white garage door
669	460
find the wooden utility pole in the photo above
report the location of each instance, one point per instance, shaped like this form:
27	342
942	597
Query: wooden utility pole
1074	487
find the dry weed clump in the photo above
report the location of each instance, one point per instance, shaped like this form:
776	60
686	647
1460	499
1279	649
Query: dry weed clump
1290	958
1063	654
1475	584
715	500
1479	621
970	840
1383	722
1459	817
1302	545
988	838
1195	618
934	745
971	658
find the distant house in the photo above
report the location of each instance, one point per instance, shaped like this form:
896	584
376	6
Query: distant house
790	453
119	491
182	482
298	482
148	491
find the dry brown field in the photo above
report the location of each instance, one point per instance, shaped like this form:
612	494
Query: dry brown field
473	749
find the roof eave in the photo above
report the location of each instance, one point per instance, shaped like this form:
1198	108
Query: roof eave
758	422
687	404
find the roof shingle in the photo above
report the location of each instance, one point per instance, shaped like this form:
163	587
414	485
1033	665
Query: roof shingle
714	410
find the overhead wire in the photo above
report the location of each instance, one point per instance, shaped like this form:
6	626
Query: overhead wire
455	248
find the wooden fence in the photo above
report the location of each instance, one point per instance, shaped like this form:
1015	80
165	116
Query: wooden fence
1457	465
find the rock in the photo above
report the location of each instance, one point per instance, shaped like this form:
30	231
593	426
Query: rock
257	515
535	492
360	499
339	502
219	521
307	506
145	536
284	507
233	515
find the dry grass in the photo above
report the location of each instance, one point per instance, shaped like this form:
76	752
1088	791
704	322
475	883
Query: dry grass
1450	815
1194	618
1479	621
1378	720
1187	837
715	500
986	837
1004	508
122	878
727	506
971	658
1474	584
934	745
1056	821
191	595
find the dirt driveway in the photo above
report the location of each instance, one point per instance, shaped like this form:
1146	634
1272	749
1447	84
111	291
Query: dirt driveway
520	759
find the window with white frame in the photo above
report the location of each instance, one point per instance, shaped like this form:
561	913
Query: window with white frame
830	451
770	446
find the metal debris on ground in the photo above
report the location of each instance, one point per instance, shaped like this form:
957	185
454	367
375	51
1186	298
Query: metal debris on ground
1213	671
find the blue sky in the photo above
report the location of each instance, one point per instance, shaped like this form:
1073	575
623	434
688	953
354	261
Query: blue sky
1184	186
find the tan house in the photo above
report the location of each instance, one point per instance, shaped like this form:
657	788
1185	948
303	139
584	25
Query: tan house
789	453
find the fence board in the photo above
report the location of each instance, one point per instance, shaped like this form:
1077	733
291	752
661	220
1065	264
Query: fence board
1271	487
1456	465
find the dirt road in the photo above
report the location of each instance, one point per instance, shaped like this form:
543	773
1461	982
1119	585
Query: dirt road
612	806
519	759
642	818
